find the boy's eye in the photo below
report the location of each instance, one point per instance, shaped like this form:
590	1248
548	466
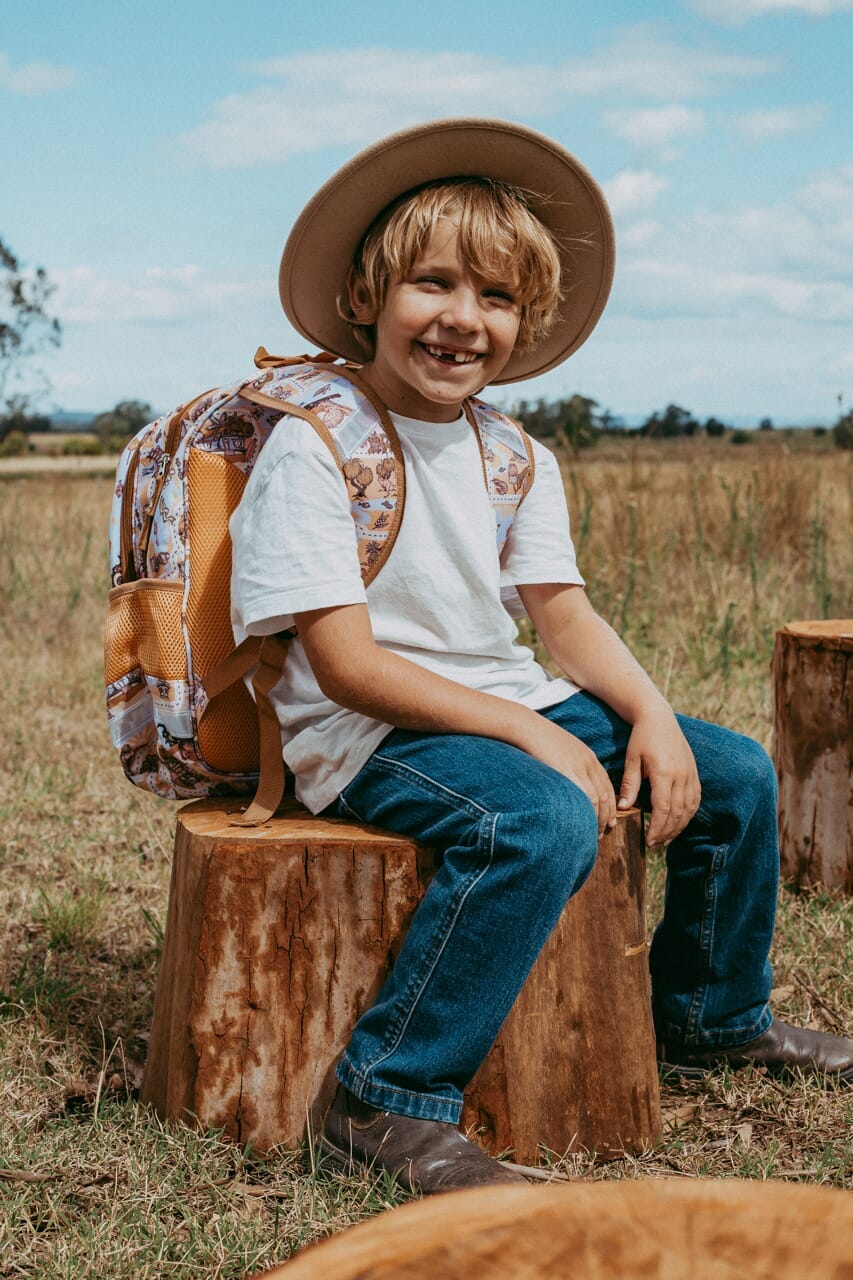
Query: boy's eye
435	281
501	295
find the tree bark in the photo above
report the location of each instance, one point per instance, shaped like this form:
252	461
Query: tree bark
813	746
278	937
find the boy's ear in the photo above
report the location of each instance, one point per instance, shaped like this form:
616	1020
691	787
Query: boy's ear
361	308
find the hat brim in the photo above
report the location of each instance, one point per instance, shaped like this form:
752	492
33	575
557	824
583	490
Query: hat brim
560	191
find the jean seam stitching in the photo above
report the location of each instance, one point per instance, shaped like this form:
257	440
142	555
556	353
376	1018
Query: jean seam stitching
428	783
474	880
706	946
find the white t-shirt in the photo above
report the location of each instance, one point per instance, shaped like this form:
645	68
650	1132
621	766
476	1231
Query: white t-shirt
443	599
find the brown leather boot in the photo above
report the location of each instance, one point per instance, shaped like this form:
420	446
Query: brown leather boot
782	1048
428	1156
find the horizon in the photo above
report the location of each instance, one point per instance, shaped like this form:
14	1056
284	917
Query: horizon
623	422
161	156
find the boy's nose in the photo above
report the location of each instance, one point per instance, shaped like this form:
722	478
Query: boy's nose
461	312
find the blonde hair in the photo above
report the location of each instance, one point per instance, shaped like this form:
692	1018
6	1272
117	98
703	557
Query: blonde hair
499	237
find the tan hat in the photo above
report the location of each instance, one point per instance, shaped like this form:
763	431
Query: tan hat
559	190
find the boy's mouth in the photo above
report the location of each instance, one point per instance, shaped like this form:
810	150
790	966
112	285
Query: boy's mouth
448	355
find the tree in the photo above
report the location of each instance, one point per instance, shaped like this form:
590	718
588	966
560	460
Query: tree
16	420
766	424
576	424
842	432
572	423
115	428
26	328
713	427
610	422
674	421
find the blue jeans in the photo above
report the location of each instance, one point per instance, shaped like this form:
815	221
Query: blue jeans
518	839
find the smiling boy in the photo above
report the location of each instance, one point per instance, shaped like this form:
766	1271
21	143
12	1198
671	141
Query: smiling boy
453	256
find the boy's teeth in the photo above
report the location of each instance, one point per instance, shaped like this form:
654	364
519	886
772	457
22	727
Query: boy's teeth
452	357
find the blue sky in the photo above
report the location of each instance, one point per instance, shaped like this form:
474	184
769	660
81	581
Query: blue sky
155	155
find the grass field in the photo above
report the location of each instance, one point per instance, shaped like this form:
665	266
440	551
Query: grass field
696	551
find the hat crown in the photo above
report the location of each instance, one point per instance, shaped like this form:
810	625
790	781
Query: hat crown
560	190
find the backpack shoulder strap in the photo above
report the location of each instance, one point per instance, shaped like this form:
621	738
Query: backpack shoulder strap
509	464
372	470
268	655
284	407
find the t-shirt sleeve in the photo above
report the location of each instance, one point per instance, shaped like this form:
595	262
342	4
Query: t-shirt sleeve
293	537
539	547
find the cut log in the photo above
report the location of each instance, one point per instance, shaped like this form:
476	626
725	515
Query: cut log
813	751
655	1228
279	936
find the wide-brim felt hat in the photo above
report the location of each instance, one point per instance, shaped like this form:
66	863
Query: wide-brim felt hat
559	190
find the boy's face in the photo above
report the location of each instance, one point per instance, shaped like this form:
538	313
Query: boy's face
443	333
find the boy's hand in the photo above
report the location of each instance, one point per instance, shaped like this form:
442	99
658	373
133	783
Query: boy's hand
658	750
355	672
571	757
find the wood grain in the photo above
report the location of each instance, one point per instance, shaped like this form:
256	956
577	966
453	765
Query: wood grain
652	1229
813	751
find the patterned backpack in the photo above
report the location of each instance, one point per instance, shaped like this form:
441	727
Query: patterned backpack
179	712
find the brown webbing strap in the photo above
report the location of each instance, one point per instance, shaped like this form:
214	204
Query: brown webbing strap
233	667
284	407
126	562
351	373
531	462
263	359
271	660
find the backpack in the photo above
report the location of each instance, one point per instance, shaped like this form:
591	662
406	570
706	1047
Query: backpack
179	711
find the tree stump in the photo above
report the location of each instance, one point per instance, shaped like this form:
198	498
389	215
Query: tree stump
660	1229
279	936
813	747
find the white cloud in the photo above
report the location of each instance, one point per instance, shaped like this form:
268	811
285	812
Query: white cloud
87	296
32	78
757	127
656	127
301	109
689	285
373	92
736	12
637	234
644	64
792	259
828	196
634	190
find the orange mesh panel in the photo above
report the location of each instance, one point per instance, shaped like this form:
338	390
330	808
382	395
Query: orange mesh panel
228	734
143	629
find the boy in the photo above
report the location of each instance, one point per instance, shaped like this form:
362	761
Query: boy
410	705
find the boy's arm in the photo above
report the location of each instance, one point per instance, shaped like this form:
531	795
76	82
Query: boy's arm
355	672
591	654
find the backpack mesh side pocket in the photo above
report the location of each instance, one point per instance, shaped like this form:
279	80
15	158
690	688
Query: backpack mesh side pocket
146	673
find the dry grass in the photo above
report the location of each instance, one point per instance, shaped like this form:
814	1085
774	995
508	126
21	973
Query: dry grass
698	554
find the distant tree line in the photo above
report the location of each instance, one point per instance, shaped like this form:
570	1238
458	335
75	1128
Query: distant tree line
578	423
27	328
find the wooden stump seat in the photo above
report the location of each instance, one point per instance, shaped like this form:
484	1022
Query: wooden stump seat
658	1229
279	936
813	751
